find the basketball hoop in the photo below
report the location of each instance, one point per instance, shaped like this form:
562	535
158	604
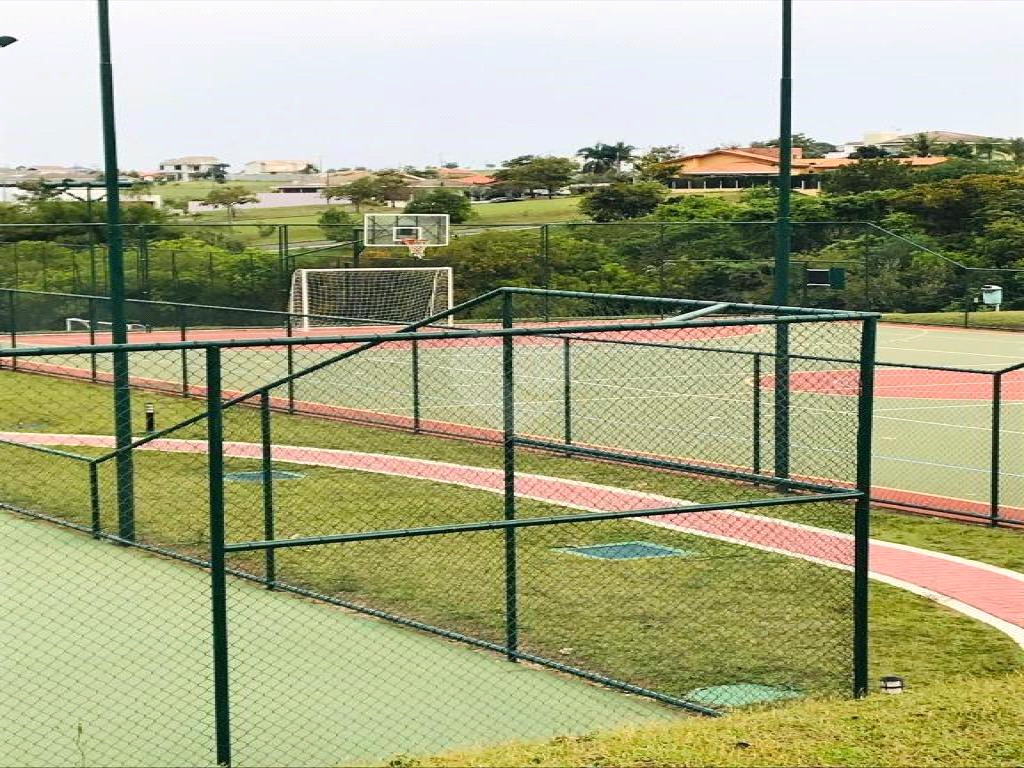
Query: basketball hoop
416	247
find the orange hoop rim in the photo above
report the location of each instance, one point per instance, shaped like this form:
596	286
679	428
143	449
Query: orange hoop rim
417	247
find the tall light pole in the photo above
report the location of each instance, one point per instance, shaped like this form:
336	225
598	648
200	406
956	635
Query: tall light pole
115	269
783	226
783	230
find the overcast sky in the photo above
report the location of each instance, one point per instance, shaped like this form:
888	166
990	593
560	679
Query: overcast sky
395	82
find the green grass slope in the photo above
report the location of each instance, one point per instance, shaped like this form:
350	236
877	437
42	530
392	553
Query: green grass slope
959	723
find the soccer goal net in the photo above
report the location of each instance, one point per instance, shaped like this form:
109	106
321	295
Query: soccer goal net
399	294
83	324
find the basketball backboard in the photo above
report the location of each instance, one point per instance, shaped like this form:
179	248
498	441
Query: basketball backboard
394	230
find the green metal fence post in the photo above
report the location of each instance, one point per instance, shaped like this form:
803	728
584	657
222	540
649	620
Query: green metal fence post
290	358
357	246
781	405
115	258
183	335
862	511
508	442
567	391
270	570
92	339
94	500
997	395
218	565
755	462
783	236
12	313
415	386
545	251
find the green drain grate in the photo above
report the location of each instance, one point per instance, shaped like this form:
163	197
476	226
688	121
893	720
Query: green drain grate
740	695
256	476
626	550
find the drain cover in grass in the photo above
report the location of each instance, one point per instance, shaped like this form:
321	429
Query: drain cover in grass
256	476
740	695
626	550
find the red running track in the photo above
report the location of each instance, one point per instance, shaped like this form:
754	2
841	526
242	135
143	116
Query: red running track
984	592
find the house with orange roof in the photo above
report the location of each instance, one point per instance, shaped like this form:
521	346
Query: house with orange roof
743	167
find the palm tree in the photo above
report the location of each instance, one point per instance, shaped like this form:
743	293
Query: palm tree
597	158
619	153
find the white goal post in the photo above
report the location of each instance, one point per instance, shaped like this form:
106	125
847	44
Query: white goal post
327	297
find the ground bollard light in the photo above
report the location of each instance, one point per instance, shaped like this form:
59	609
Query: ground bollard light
892	684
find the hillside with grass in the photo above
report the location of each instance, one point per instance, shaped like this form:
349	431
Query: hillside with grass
966	722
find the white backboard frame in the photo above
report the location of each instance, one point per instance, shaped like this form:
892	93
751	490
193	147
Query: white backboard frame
387	230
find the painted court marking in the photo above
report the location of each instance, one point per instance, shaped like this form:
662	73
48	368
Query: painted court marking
981	591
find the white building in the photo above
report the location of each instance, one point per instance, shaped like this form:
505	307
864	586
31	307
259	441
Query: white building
190	167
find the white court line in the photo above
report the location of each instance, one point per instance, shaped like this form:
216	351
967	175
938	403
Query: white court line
1015	358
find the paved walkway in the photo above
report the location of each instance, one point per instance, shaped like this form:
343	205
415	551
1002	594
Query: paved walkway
984	592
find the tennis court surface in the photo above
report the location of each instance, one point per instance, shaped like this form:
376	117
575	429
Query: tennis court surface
108	663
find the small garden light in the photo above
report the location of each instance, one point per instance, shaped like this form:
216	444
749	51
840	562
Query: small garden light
892	684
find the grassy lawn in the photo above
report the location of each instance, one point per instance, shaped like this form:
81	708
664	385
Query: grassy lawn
635	620
539	211
1011	320
965	722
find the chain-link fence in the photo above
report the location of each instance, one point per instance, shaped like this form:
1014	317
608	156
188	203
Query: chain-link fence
378	592
842	265
947	436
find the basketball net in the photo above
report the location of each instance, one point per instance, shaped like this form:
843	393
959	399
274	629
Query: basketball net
416	247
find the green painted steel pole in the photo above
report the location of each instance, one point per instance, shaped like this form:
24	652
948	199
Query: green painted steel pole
996	427
567	391
269	564
783	225
783	228
218	563
509	444
115	269
415	386
862	510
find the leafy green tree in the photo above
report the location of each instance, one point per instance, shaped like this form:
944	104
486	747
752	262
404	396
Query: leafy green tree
334	192
336	224
529	172
652	165
392	186
229	198
867	175
40	190
217	173
623	201
958	149
450	201
1016	149
868	152
920	145
361	191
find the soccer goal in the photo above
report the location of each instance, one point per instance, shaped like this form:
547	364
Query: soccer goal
83	324
338	296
